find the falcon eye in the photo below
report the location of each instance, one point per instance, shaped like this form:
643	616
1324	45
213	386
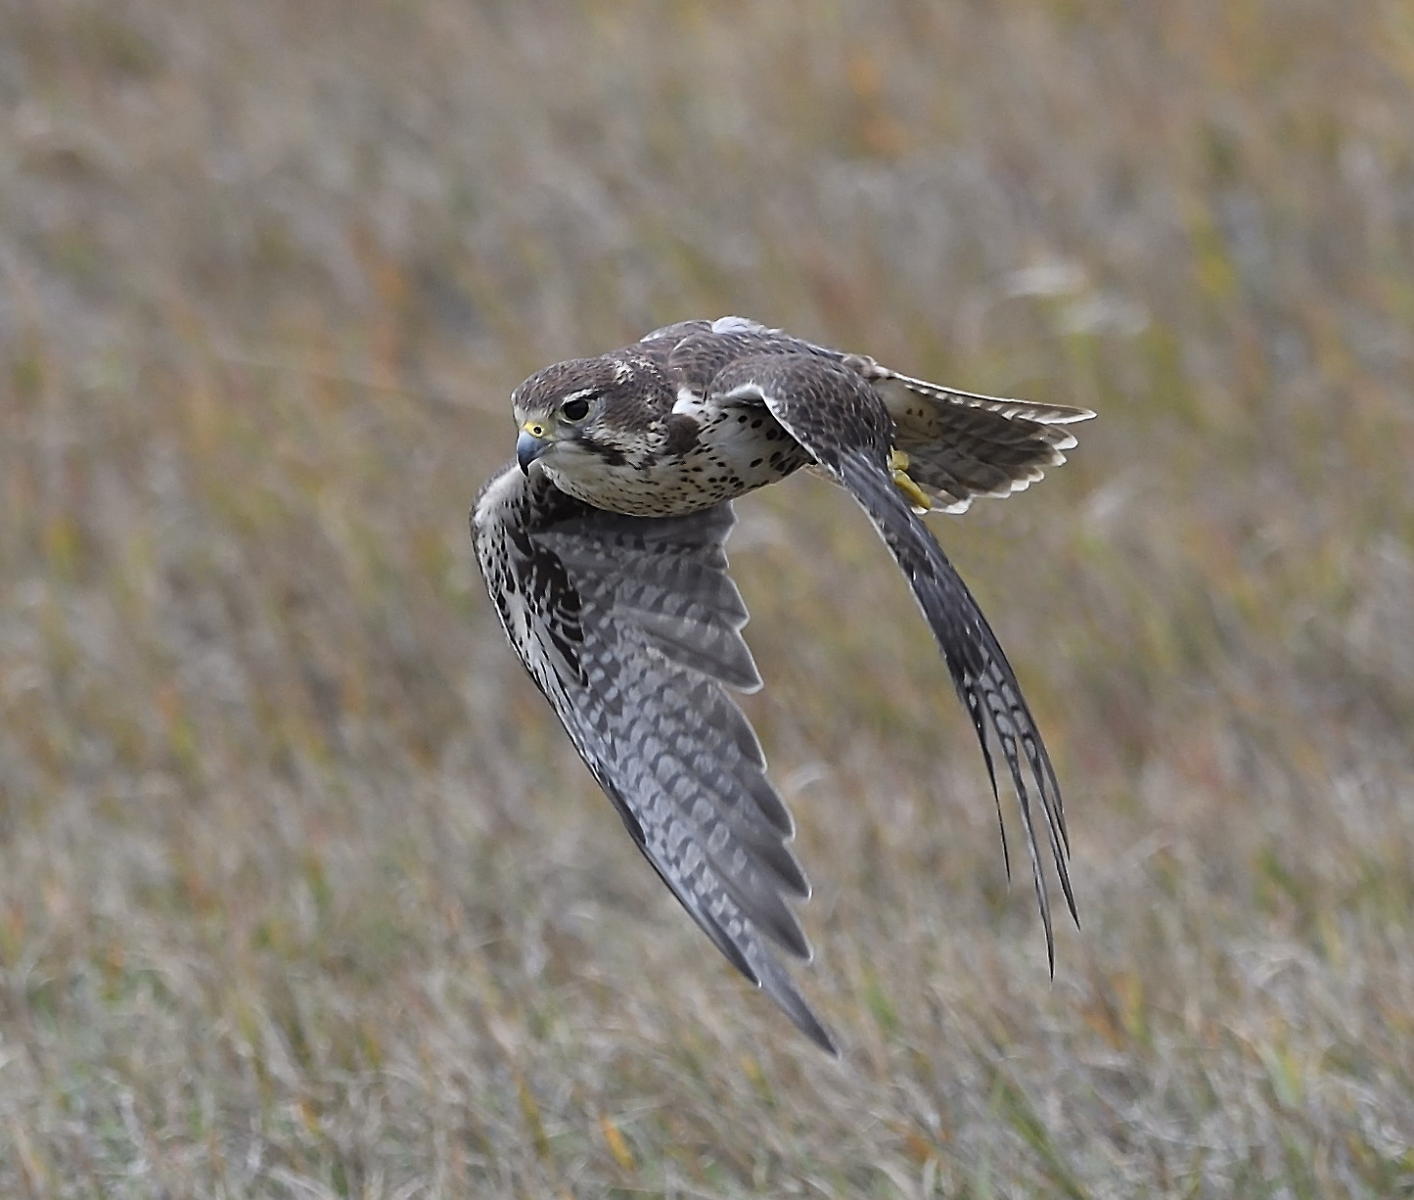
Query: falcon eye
575	410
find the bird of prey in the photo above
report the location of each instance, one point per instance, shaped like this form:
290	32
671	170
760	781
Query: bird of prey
602	548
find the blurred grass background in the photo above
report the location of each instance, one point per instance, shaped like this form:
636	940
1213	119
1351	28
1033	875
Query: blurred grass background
303	893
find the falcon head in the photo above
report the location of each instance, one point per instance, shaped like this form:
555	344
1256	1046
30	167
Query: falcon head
577	413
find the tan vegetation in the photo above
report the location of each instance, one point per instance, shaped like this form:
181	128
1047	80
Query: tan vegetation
302	892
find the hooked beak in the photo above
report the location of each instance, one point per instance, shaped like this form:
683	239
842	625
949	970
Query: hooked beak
530	446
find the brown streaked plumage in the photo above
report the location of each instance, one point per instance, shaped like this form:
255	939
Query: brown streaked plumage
602	547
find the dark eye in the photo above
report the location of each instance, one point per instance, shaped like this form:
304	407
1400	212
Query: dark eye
575	410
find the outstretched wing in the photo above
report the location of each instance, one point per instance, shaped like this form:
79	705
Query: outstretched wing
840	419
631	627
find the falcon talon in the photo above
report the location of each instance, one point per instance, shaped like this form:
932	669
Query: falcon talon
607	569
916	495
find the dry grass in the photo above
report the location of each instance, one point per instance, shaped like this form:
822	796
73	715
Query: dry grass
301	892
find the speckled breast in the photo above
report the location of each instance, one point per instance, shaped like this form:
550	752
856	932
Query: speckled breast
737	449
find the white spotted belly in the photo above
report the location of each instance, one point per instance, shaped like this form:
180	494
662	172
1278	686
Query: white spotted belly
738	449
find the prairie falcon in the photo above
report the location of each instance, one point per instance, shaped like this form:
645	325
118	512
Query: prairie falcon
602	548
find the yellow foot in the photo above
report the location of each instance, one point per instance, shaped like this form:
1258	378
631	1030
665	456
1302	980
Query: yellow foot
898	467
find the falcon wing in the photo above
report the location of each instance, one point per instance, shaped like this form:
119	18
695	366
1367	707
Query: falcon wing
630	626
840	419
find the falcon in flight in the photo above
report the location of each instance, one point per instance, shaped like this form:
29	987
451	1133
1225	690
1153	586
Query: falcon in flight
602	548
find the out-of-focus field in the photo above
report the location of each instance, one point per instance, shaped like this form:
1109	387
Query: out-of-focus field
302	891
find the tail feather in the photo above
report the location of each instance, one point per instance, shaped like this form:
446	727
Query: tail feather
1033	410
961	445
